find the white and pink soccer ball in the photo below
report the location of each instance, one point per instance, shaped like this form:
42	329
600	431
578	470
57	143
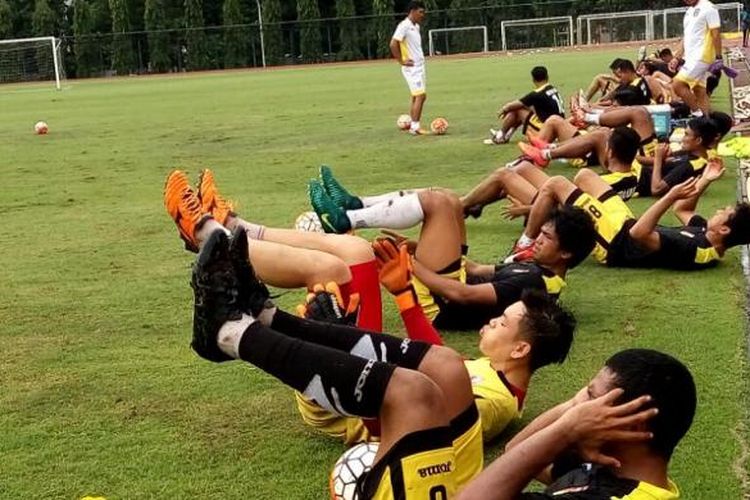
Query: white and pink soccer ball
353	463
403	122
41	128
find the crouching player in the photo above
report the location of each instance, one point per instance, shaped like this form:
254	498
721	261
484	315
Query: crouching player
454	292
639	406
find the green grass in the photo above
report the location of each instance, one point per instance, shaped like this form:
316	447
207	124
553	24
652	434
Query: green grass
100	392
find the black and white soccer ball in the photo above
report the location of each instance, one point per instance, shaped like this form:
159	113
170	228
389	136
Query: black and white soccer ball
349	467
308	222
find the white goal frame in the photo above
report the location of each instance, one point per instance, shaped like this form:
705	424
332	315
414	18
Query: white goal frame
736	6
537	21
54	46
485	39
647	15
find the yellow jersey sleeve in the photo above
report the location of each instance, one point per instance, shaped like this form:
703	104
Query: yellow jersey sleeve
497	405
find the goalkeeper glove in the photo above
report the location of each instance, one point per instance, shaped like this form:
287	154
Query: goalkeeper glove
327	305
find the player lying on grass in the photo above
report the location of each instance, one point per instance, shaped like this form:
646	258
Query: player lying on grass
626	77
626	241
283	257
624	111
455	293
530	111
701	135
431	442
420	392
613	467
520	181
531	333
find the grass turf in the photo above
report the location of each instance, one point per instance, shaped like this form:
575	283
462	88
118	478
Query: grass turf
100	392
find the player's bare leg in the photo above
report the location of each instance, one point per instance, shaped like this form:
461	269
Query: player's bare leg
534	177
555	191
682	90
600	83
285	266
496	186
557	128
702	98
443	230
578	147
417	103
637	117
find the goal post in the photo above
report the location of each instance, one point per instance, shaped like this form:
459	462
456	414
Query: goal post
460	30
31	59
559	34
615	27
671	19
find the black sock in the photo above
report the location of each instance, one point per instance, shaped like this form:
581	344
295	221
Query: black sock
337	381
405	353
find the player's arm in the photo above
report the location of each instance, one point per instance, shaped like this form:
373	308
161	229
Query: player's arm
476	269
511	106
586	426
396	52
658	185
715	34
394	274
644	230
454	290
685	209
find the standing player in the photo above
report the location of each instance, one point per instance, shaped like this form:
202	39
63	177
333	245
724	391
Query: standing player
701	49
406	48
531	110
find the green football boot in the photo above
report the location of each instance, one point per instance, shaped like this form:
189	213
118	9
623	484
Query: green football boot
332	217
340	196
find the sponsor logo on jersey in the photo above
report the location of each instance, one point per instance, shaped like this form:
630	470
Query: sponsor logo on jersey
431	470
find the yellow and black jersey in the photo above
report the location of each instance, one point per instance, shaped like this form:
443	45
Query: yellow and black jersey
509	282
647	146
644	91
592	482
497	400
684	248
420	465
675	170
545	101
624	184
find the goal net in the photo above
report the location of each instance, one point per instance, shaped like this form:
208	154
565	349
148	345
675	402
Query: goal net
615	27
670	20
31	60
458	40
533	33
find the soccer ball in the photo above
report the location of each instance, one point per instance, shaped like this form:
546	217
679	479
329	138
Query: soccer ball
439	126
403	122
353	463
41	128
308	222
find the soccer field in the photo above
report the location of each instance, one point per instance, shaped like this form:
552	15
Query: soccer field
101	394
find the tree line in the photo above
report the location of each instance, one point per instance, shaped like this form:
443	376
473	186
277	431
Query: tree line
134	36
